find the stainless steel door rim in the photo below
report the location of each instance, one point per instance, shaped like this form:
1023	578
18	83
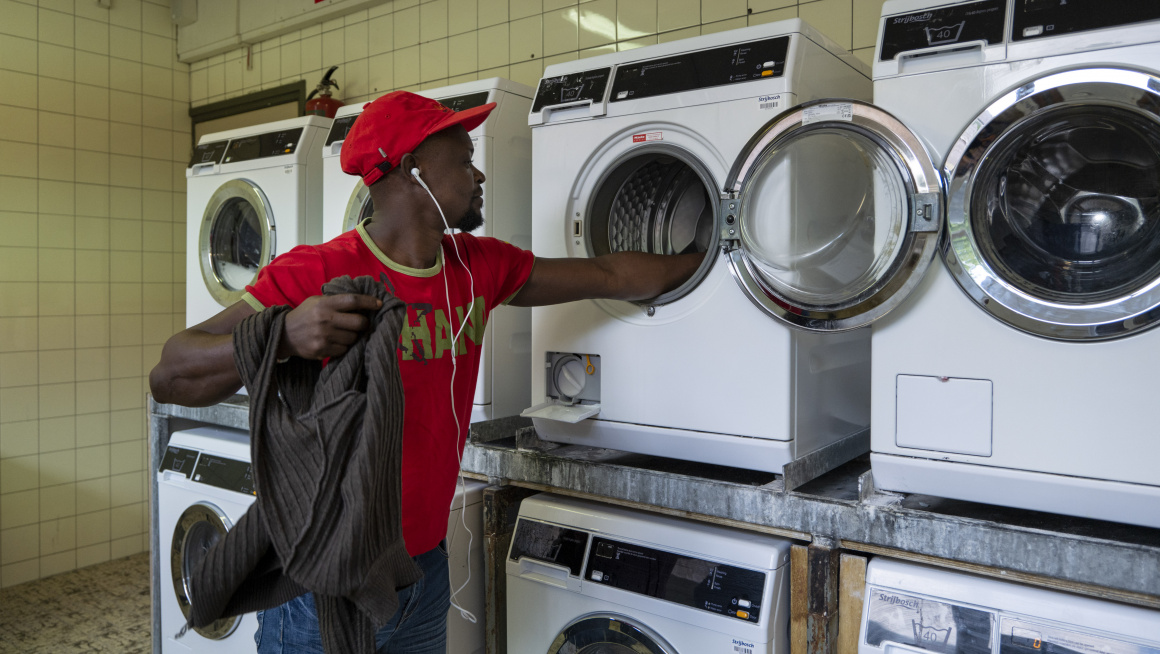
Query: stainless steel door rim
1052	218
236	204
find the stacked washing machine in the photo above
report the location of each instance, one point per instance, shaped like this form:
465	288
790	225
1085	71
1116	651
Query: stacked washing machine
588	577
823	213
503	153
1022	370
910	608
205	484
252	194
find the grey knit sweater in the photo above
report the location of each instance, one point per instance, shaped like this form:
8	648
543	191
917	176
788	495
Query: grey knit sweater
326	445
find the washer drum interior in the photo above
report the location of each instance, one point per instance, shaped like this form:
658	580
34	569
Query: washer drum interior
657	201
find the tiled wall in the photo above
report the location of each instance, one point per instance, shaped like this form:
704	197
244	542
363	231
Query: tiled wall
410	44
94	133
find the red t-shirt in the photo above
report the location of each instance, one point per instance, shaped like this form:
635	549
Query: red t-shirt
430	452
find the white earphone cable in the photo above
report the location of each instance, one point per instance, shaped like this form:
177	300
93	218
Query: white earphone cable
467	615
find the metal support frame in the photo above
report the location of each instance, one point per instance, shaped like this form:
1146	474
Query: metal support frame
501	507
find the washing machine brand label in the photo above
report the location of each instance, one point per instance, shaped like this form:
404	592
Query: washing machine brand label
1022	637
742	647
648	136
769	101
828	111
917	18
932	625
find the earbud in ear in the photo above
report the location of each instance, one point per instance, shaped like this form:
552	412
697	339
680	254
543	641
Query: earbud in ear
415	172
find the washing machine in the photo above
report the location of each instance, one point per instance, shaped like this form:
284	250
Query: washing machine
914	609
204	485
465	546
586	577
816	216
252	194
1022	370
503	153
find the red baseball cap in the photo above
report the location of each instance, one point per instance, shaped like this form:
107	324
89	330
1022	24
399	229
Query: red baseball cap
396	124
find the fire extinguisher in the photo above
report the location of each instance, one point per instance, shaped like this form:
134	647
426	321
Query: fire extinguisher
323	105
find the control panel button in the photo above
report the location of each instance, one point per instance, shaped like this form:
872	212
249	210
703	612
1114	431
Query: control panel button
1033	31
597	575
744	615
744	603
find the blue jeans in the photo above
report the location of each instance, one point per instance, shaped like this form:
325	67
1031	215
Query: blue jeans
418	627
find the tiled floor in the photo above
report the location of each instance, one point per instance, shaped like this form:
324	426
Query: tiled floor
101	608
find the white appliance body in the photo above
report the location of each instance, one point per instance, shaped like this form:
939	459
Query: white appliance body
1047	416
204	486
468	574
911	608
708	375
503	153
584	573
252	194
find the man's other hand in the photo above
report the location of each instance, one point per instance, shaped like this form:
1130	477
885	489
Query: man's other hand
326	325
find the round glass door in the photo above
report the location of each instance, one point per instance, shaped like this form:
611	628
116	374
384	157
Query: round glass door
237	239
836	217
359	208
199	528
656	200
1054	206
608	634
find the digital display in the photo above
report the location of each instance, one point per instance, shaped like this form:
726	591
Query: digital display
340	128
178	459
208	153
461	102
697	70
974	21
221	472
697	583
273	144
1022	637
927	624
576	87
1041	18
550	544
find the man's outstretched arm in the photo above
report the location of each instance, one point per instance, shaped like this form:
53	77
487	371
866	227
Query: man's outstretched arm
197	364
631	276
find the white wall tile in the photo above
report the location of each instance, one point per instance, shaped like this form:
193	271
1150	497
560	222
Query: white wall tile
636	19
462	54
432	20
433	60
356	77
597	23
355	41
518	9
333	49
20	88
867	13
55	27
55	61
678	14
407	27
527	72
271	68
19	19
527	40
724	25
834	18
561	31
493	46
492	12
407	66
773	16
18	54
462	16
126	75
717	10
380	35
125	43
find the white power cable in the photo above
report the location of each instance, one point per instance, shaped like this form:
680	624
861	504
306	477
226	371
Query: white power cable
467	615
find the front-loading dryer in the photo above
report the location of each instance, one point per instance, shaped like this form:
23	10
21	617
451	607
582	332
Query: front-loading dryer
1021	372
252	194
204	486
916	609
587	577
503	152
823	212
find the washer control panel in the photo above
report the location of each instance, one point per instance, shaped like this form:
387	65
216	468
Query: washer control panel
208	153
549	543
271	144
945	26
689	581
731	64
1033	19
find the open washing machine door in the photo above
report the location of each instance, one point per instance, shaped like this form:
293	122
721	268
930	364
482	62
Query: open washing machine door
832	215
198	528
608	634
237	238
1053	206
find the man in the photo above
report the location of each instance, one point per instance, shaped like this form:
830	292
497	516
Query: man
415	155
